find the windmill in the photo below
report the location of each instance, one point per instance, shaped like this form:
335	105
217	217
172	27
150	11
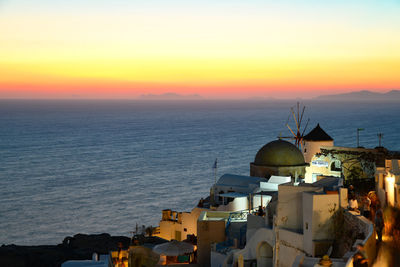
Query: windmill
298	132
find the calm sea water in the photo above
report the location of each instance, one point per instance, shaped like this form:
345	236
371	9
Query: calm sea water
70	167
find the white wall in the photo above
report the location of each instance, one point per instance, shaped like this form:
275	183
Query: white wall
250	250
323	168
255	222
308	222
290	206
188	222
238	204
310	148
168	228
389	186
317	218
257	201
217	259
289	246
387	181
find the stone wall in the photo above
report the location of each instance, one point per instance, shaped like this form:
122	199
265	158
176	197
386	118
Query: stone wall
366	233
78	247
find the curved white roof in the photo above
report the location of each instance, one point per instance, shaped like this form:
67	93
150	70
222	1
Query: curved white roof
239	180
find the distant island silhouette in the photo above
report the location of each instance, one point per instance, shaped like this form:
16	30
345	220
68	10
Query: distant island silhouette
354	96
363	95
170	96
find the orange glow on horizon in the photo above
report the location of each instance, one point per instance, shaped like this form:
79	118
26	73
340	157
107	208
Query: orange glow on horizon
253	49
235	79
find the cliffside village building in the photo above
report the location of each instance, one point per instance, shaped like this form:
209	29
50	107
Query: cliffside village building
291	211
286	211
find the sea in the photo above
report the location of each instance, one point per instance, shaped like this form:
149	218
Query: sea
105	166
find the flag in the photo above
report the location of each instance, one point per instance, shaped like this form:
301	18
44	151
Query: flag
215	164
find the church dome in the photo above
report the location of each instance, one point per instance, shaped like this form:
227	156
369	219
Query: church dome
279	153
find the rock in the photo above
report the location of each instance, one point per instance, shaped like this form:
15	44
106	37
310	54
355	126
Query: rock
101	243
78	247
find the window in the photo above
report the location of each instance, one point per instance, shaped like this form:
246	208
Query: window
335	166
178	236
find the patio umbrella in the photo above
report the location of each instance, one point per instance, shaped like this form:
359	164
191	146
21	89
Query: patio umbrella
174	248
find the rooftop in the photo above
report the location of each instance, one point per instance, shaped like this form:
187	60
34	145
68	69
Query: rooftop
239	180
279	153
317	134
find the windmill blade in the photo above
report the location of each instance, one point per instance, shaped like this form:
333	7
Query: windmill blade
301	118
290	129
298	115
295	120
285	137
305	128
298	120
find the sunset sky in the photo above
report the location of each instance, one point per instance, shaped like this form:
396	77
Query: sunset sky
217	49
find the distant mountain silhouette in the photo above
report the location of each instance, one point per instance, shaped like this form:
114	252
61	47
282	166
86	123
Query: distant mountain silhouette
170	96
363	95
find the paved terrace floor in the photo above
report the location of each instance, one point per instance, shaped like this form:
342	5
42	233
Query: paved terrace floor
388	255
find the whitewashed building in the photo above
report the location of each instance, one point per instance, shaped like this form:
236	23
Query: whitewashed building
387	181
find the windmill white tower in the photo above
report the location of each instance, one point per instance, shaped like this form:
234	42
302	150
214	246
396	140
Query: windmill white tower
313	141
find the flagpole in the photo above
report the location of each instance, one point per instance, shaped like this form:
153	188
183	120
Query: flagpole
215	171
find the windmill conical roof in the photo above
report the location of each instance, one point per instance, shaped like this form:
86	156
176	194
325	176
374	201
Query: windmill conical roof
317	134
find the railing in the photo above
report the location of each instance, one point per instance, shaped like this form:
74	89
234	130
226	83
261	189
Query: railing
236	216
239	215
